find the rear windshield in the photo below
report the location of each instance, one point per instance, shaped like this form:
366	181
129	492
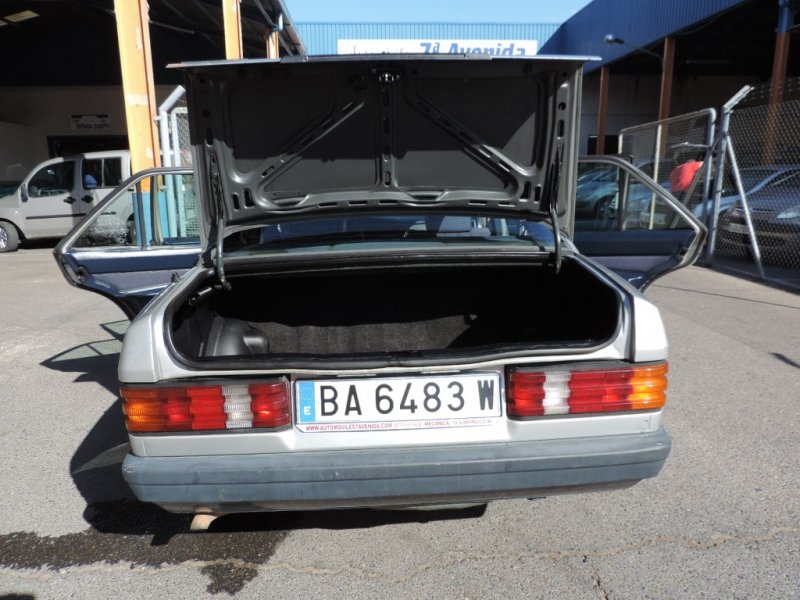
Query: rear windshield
386	231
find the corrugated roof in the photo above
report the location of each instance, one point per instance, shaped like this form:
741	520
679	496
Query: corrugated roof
321	38
639	22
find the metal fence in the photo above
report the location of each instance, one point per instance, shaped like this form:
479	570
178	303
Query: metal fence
173	122
744	178
180	145
758	225
675	153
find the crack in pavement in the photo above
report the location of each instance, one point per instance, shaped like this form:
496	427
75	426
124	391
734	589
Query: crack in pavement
459	558
596	580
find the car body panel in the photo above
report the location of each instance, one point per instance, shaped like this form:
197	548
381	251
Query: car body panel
240	183
754	179
475	472
54	196
777	232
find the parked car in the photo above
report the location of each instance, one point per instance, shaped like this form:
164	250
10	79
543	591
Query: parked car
753	180
597	197
388	309
594	190
775	212
57	194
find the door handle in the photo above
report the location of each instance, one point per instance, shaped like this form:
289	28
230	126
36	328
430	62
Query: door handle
87	199
69	200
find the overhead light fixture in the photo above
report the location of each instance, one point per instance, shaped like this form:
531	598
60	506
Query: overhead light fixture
21	16
610	38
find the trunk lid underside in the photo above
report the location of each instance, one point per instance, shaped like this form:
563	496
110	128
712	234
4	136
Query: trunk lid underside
383	133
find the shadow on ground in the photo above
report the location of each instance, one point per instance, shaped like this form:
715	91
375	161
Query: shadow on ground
96	465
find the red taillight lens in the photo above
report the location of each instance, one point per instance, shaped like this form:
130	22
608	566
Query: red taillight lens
609	389
270	404
208	407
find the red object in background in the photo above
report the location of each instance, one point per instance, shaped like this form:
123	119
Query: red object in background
682	176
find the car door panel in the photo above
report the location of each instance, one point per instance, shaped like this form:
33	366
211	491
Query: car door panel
50	200
640	231
132	245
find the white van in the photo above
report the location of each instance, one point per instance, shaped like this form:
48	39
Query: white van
58	193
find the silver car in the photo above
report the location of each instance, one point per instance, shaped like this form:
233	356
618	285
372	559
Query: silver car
370	294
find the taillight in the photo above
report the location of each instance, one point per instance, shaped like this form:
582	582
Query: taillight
558	391
206	407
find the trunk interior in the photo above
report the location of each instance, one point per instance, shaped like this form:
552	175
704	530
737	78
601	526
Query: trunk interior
398	312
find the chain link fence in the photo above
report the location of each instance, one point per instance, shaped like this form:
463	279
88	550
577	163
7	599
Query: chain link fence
181	146
181	201
675	153
759	232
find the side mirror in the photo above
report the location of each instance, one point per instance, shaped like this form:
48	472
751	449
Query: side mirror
23	192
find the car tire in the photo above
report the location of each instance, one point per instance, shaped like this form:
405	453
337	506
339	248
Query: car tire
9	238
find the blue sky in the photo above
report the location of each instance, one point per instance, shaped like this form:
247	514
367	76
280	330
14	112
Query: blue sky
496	11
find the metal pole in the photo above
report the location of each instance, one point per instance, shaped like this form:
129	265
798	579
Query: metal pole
723	142
656	165
176	148
602	109
163	123
750	229
708	161
166	155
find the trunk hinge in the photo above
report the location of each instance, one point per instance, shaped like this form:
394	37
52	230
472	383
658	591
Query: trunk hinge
216	188
552	201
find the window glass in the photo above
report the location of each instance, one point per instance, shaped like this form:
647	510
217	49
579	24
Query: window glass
52	180
101	173
390	231
599	199
171	208
157	211
790	181
596	196
92	174
114	226
112	172
647	210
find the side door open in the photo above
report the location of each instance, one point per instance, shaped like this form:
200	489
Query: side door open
627	222
136	240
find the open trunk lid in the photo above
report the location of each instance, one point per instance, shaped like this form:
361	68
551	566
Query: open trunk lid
329	135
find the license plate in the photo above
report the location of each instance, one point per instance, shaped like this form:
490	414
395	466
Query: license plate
376	404
737	228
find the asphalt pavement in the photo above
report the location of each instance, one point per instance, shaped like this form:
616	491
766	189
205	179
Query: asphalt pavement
722	520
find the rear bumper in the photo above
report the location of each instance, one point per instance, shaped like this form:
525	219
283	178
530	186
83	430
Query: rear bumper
395	477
